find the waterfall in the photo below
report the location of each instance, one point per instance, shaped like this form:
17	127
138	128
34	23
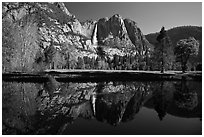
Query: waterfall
94	38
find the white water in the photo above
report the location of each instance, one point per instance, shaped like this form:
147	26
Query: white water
94	38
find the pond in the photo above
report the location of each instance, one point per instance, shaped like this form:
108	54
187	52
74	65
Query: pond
102	108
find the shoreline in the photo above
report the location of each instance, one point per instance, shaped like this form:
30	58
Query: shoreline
66	75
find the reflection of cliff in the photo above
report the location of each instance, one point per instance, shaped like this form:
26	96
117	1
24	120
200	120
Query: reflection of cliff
30	108
55	122
54	105
51	107
121	102
133	106
104	101
110	110
18	106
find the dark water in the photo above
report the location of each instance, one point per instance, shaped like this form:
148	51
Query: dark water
170	107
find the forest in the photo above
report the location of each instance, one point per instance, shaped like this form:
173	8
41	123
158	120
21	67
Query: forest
183	32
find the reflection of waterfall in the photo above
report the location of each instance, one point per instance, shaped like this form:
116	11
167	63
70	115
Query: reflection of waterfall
93	101
94	38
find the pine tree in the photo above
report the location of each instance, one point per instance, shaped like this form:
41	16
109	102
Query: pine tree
80	63
163	53
161	39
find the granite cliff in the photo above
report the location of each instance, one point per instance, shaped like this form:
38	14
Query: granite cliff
38	36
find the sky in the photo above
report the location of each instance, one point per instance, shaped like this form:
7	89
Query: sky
150	16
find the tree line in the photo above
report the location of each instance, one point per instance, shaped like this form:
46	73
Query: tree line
126	62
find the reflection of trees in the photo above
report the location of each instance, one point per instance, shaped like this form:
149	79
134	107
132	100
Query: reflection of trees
161	97
184	98
175	98
160	103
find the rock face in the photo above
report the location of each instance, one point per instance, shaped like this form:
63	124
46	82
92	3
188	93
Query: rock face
135	35
88	28
111	28
58	40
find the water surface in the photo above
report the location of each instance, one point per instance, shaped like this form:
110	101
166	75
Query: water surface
151	107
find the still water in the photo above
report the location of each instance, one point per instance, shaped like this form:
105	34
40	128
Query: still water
141	108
